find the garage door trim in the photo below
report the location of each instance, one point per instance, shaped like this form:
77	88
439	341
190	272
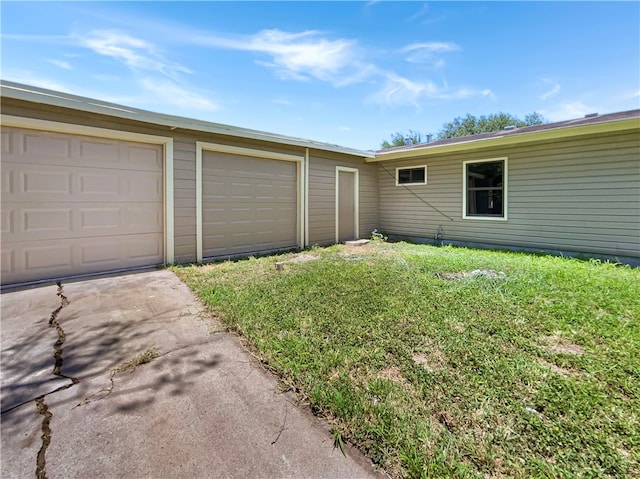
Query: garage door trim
257	153
166	142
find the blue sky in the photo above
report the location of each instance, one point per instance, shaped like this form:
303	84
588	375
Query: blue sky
349	73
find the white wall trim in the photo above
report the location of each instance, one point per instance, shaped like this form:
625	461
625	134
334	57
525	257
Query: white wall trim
356	199
238	150
302	186
199	201
166	142
306	197
505	196
398	168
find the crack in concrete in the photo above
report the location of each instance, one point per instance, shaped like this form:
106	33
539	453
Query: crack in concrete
62	337
41	405
43	409
282	427
131	369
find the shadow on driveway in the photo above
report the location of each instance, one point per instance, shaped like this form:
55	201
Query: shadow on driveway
201	408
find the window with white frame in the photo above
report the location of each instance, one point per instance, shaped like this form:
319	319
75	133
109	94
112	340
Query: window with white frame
411	175
485	189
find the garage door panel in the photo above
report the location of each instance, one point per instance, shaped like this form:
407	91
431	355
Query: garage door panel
76	204
48	183
59	258
279	230
59	149
234	191
68	221
229	211
39	145
249	204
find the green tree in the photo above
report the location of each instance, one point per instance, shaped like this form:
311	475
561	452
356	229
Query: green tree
470	125
400	139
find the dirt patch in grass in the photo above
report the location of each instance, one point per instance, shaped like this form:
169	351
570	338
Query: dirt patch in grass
393	373
302	258
558	345
558	370
431	362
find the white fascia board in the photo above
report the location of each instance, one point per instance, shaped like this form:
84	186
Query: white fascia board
65	100
513	139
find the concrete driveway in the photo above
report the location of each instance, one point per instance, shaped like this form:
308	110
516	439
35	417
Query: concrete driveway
76	403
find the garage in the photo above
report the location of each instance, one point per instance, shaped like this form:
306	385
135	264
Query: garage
250	201
76	204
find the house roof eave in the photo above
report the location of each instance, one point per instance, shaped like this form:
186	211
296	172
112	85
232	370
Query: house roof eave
508	139
65	100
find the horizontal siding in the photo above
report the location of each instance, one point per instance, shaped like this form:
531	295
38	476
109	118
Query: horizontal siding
579	195
184	190
322	199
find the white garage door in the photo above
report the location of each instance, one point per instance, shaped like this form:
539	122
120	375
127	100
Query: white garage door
77	204
248	204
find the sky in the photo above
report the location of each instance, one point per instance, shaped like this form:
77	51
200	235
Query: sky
346	73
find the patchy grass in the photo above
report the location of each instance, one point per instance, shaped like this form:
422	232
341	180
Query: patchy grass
436	372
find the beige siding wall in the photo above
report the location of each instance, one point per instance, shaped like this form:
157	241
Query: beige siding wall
322	173
184	199
579	195
322	195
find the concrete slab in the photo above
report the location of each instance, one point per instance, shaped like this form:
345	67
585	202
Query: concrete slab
203	408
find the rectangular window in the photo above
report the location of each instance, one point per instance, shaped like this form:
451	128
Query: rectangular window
411	175
485	189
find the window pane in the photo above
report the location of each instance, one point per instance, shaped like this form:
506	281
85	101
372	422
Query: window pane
417	175
487	174
404	176
484	203
411	175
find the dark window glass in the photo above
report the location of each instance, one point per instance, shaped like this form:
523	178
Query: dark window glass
485	190
411	175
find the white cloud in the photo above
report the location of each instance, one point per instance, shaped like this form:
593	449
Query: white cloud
427	52
302	55
344	128
568	111
420	13
282	101
555	89
61	64
170	92
400	91
137	54
432	47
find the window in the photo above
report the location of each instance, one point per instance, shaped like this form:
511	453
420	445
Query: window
485	189
411	175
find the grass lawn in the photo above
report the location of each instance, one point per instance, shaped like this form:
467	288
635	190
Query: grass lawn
435	372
